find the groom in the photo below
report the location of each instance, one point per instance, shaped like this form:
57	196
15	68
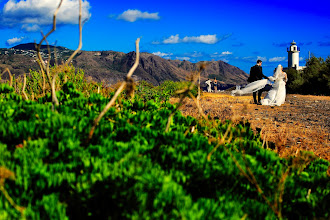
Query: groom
256	74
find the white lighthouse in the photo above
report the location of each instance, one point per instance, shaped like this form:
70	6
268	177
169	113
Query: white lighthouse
293	56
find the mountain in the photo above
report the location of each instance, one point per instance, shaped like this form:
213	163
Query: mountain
31	46
222	71
111	66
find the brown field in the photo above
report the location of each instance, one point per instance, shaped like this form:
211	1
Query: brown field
302	123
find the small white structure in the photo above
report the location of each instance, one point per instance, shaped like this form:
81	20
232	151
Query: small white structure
208	83
293	57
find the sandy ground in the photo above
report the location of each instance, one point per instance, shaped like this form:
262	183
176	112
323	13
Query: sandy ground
302	123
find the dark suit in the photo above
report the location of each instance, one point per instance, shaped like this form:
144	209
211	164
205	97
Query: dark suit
256	74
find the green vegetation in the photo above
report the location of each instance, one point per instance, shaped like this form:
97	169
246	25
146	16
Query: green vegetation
146	91
133	169
314	80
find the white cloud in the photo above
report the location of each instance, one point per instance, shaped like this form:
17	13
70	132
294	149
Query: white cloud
263	59
183	58
31	28
161	54
249	58
204	39
222	54
216	54
14	40
301	59
40	12
254	59
134	15
226	53
172	40
194	54
277	59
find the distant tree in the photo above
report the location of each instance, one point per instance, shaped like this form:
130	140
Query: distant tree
325	75
315	79
317	76
295	81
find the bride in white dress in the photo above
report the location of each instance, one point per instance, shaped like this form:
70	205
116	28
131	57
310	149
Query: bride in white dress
276	96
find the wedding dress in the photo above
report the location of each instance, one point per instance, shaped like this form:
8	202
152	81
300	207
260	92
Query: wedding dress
276	96
251	87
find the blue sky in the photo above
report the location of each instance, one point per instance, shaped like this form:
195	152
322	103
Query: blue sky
238	32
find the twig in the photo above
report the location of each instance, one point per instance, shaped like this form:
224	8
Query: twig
80	37
7	174
10	76
251	179
49	55
54	98
199	89
221	142
41	62
51	81
24	85
119	90
184	93
11	201
42	74
45	37
169	120
200	110
55	54
281	186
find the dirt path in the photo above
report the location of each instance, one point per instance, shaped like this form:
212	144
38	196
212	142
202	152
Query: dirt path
302	123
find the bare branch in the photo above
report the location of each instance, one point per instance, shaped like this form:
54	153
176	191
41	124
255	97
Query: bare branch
24	85
55	54
11	201
41	63
221	142
10	76
119	90
200	110
80	37
184	93
50	80
42	72
54	98
45	37
49	53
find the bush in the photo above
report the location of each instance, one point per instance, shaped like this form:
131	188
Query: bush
133	169
315	79
146	91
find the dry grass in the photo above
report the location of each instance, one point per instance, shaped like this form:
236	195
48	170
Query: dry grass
302	123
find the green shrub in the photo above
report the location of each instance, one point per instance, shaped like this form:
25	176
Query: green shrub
133	169
315	79
146	91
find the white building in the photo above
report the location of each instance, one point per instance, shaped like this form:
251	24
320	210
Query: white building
293	57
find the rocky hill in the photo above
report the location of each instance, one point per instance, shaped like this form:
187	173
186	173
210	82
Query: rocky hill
111	67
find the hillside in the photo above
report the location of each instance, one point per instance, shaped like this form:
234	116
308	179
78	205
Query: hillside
110	66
